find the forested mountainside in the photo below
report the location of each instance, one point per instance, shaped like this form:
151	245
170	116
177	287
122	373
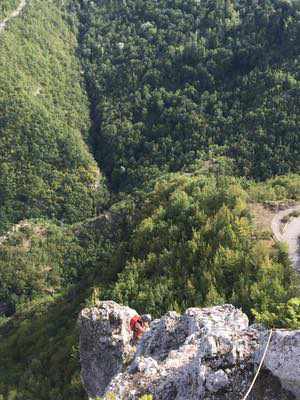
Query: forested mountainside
136	139
169	79
46	168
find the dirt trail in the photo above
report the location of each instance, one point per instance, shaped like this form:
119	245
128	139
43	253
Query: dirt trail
289	233
13	14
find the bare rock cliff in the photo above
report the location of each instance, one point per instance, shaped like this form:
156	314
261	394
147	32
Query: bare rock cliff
208	354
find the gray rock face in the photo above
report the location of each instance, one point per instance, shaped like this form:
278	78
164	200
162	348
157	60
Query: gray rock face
208	354
104	344
283	359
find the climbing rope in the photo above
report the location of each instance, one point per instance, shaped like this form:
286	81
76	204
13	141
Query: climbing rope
259	367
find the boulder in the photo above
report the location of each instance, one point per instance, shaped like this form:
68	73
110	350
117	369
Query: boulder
216	381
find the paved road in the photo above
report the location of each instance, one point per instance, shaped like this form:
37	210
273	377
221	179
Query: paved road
290	234
14	14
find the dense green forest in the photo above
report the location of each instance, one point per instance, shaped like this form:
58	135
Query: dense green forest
46	168
136	139
169	79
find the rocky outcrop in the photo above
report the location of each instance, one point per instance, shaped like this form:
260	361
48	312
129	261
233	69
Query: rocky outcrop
208	354
104	344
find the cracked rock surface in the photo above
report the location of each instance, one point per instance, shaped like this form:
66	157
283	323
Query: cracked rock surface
208	353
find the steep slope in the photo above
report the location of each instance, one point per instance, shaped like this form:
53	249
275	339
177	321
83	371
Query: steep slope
47	273
170	80
46	167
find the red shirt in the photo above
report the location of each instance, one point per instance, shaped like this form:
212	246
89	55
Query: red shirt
136	325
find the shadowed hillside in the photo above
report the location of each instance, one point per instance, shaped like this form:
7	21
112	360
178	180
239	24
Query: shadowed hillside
46	167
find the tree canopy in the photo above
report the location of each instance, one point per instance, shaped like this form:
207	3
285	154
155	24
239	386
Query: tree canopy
46	167
169	79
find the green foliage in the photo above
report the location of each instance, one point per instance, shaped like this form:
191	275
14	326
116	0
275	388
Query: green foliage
39	351
36	259
195	245
48	273
40	258
281	315
169	79
277	188
46	168
7	6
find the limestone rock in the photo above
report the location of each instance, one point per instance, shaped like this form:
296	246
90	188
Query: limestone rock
216	381
283	359
204	354
104	344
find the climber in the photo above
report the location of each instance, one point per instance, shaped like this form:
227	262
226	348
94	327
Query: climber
139	325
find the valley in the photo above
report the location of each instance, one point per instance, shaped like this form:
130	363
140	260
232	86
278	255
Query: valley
149	155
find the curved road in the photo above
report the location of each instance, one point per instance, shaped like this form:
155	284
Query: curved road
290	234
14	14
